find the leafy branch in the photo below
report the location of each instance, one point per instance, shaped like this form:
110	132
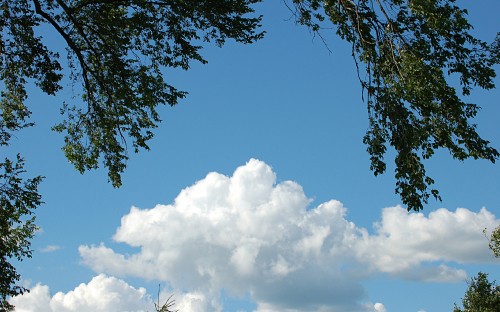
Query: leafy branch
405	53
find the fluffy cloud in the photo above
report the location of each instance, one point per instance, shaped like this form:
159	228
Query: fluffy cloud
249	235
38	299
379	307
102	293
195	302
405	241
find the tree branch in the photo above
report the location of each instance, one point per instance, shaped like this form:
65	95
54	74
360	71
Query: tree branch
69	41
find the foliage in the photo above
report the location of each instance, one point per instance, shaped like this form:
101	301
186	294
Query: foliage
117	50
494	241
481	296
406	54
18	199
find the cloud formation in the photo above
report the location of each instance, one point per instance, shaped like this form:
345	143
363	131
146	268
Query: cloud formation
50	248
102	293
248	235
403	242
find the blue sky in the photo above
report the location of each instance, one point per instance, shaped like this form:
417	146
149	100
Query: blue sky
257	195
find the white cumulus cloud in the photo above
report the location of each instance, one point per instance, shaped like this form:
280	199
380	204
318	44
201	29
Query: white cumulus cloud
247	234
37	300
196	302
102	293
404	241
379	307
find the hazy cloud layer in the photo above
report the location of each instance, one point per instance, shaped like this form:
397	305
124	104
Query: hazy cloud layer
247	234
50	248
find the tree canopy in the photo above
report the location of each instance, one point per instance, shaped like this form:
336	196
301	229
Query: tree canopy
116	51
481	295
18	199
407	53
494	241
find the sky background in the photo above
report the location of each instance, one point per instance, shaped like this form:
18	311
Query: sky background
257	195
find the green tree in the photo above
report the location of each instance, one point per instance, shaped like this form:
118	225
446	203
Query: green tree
405	53
18	199
481	296
494	241
117	51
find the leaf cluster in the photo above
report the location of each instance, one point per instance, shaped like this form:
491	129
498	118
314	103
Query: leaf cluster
406	53
18	199
494	241
118	51
22	57
481	295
